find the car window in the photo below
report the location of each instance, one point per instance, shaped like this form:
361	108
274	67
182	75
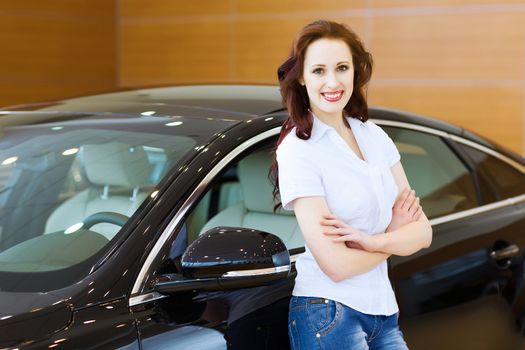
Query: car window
498	180
67	191
68	198
435	172
242	197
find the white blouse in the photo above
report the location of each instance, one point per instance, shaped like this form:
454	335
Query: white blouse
361	193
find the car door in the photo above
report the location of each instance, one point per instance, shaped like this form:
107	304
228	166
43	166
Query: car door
458	293
199	318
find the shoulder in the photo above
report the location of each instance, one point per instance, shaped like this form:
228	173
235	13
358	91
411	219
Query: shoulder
373	127
291	144
375	130
387	145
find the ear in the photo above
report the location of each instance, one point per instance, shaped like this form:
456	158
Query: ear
301	81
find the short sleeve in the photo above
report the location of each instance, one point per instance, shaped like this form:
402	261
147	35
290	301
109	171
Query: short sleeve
298	174
390	149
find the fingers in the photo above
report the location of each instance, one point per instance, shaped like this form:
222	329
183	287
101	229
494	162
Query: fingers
350	237
418	213
409	200
335	232
341	231
333	222
401	198
414	206
329	216
338	232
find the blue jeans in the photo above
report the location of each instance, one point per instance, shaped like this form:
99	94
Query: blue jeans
317	323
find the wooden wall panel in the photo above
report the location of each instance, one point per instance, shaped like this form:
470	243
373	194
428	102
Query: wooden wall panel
158	9
450	46
260	47
396	4
55	49
293	8
258	63
58	9
160	52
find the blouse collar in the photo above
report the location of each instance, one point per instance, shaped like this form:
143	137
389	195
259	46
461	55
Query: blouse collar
319	128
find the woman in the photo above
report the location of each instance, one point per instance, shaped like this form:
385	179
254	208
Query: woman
341	174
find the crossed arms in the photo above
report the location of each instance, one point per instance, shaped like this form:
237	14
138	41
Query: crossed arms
353	252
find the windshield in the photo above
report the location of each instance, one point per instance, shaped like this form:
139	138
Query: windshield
67	188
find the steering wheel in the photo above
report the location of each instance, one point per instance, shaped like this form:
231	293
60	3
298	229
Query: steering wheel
104	216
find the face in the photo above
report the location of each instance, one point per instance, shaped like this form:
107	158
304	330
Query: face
328	75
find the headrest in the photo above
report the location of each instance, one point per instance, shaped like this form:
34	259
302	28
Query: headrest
116	164
256	187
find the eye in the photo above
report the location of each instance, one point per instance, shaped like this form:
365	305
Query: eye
342	68
318	71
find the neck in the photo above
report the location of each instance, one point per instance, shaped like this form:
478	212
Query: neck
336	121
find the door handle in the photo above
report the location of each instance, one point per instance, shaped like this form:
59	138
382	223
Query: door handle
505	253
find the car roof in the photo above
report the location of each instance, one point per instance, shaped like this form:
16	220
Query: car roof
233	102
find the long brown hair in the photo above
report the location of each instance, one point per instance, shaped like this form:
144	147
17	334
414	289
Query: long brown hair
294	95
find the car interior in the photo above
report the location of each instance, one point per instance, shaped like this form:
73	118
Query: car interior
246	201
118	175
67	196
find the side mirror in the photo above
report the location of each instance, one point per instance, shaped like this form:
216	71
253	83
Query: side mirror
228	258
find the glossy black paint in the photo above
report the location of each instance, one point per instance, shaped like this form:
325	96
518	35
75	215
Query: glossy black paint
220	249
47	316
453	290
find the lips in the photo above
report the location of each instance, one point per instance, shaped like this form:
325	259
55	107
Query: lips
332	96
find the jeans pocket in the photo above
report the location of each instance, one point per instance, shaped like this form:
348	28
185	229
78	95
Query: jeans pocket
322	314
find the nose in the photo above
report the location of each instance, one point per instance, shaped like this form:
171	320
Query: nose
331	80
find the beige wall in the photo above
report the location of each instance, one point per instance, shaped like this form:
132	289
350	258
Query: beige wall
458	60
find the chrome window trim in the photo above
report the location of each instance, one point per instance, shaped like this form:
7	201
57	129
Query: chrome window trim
478	210
189	201
403	125
138	299
144	298
511	162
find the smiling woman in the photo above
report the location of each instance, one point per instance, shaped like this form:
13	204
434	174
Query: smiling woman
341	174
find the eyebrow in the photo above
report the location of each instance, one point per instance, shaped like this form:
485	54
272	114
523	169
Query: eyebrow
322	65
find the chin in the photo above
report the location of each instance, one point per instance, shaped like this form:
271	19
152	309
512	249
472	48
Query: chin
333	107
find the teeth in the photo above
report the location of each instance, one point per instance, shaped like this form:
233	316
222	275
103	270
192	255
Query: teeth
332	94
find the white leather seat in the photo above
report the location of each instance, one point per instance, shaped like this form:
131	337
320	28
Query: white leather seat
116	172
256	208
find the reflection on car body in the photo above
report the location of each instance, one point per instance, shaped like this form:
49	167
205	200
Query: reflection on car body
102	195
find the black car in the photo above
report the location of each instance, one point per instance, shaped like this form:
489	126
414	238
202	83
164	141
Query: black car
143	219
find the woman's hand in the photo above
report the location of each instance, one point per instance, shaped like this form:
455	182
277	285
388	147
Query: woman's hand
353	238
406	209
